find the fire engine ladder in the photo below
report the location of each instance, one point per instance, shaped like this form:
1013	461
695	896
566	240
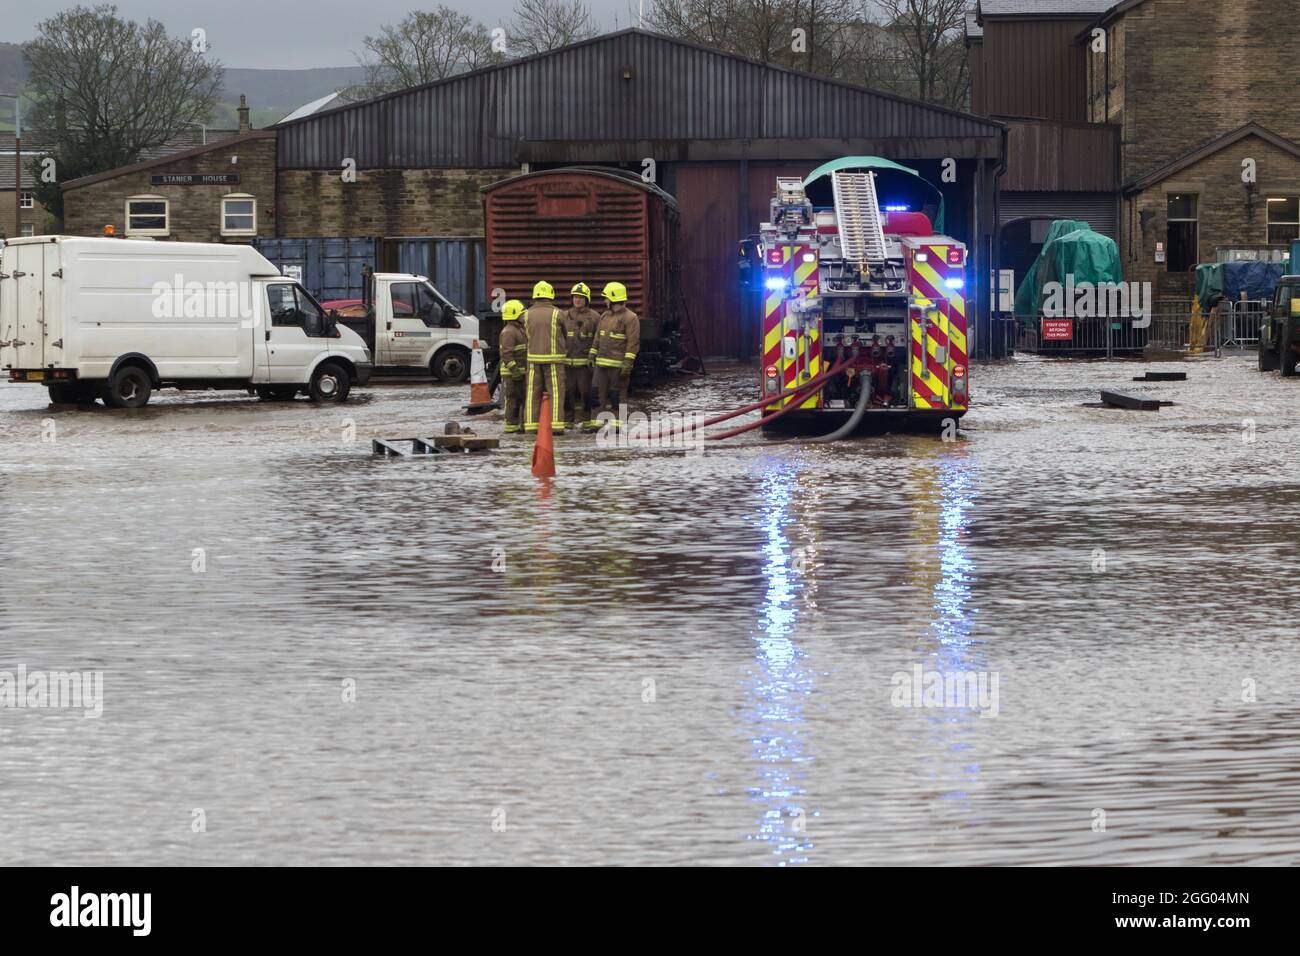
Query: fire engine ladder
862	235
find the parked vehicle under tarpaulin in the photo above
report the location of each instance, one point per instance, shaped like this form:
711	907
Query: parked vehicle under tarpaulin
1071	249
1228	280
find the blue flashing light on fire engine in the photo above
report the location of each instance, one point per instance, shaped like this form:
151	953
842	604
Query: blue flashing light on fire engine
897	207
776	282
955	282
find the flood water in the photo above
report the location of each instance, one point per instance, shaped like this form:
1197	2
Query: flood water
311	656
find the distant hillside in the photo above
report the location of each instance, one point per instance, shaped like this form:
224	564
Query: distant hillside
285	90
271	93
13	68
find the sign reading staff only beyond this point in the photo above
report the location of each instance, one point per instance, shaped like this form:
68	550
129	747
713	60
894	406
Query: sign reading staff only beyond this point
195	179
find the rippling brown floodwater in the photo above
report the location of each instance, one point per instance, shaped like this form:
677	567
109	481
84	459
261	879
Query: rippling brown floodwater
769	593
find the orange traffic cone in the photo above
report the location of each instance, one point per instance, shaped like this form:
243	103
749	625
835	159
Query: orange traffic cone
480	396
544	450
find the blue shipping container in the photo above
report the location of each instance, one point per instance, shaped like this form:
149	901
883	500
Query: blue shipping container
330	268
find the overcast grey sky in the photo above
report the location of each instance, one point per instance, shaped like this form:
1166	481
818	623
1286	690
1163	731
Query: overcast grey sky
284	34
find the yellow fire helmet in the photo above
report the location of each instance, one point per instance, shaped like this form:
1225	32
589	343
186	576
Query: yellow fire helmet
615	292
581	289
543	290
512	310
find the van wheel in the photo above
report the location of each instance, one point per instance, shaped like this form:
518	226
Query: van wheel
128	388
331	383
277	393
62	393
451	364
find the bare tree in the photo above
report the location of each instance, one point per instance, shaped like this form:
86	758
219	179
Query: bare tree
813	35
930	46
542	25
425	46
105	89
910	47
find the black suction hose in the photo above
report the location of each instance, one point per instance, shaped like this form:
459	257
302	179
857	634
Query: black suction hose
847	429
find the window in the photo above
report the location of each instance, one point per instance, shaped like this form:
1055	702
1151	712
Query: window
27	201
1283	219
146	216
1182	249
28	229
290	305
415	300
238	215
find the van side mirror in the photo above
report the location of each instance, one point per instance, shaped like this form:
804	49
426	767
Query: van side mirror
449	318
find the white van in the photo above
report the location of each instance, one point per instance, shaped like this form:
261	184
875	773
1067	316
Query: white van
117	318
409	324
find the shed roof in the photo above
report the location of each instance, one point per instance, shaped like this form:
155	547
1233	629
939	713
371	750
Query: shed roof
1044	8
625	96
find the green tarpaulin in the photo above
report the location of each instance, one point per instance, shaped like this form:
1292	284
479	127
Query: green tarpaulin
1071	249
878	162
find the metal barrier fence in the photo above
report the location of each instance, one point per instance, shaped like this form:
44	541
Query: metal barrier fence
1091	337
1171	330
1243	323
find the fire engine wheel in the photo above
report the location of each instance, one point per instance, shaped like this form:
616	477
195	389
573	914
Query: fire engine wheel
331	383
277	393
1287	363
451	365
128	388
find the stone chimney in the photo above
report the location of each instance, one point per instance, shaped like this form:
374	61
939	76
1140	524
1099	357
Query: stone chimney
244	126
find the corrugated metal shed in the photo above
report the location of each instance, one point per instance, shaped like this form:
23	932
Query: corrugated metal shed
633	88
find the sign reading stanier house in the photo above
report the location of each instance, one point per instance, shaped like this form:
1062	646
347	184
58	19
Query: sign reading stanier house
195	179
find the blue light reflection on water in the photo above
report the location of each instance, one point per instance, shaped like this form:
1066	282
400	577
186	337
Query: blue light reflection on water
781	680
951	647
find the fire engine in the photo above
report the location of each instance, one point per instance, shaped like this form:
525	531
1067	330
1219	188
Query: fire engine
872	291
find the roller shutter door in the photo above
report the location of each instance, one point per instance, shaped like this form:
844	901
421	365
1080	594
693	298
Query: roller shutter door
1099	210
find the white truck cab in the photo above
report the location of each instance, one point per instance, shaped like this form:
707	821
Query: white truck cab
116	319
410	324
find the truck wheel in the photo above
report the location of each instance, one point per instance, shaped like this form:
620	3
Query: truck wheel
331	383
1287	363
277	393
62	393
1267	360
128	388
451	365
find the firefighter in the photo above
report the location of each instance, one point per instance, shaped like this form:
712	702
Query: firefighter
514	364
547	358
580	326
618	338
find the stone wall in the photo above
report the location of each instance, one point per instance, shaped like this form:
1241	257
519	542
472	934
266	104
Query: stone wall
194	211
384	202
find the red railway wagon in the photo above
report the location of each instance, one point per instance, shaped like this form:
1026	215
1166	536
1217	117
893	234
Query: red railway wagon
592	225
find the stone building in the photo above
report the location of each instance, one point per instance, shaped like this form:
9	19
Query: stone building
32	218
1204	96
1187	106
222	192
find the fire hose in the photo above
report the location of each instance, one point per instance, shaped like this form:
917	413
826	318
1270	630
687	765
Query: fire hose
798	393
